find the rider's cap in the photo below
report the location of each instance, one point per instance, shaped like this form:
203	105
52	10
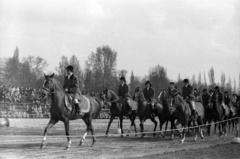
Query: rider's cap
70	68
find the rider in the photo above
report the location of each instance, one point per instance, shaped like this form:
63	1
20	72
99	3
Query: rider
188	95
71	86
149	94
226	99
123	92
173	92
205	97
217	95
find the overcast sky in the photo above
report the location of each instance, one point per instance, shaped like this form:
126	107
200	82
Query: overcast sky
186	36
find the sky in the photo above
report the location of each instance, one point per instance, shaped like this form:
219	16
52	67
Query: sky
186	37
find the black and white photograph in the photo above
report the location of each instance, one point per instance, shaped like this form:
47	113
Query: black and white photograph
119	79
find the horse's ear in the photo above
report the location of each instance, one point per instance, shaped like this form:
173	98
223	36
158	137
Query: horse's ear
51	76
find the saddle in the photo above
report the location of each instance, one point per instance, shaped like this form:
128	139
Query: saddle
84	104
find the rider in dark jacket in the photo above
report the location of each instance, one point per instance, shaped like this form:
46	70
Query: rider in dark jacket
123	92
149	95
188	95
71	87
205	98
217	96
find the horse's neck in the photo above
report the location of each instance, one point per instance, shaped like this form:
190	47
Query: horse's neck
57	86
165	105
114	96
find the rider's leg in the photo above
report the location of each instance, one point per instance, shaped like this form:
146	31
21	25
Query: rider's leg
77	103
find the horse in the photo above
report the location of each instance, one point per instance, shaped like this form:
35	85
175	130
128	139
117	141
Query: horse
118	108
215	114
233	114
143	107
184	116
59	111
167	114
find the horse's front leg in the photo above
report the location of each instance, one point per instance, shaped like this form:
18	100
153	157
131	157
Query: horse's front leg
109	124
66	124
50	125
160	127
184	131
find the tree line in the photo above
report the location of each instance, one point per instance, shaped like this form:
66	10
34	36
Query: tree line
100	72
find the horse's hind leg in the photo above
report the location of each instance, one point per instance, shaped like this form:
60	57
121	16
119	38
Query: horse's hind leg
50	124
88	122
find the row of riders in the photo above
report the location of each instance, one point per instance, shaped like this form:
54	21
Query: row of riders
169	106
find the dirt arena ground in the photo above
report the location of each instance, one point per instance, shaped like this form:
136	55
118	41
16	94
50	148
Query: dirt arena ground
22	140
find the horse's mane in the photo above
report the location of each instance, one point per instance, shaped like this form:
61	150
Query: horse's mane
113	93
180	99
57	84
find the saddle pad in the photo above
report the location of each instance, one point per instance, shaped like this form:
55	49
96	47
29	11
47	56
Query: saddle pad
85	104
133	104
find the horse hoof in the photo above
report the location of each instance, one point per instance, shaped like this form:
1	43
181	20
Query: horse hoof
67	148
42	146
92	144
182	141
80	143
202	137
195	139
142	136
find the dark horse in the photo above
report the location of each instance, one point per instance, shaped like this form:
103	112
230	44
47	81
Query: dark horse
119	108
167	114
217	113
59	111
184	116
143	108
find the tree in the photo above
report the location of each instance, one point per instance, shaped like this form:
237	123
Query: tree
234	86
199	80
61	69
205	79
158	77
229	85
26	75
211	77
37	65
103	65
11	70
223	80
134	82
194	82
122	73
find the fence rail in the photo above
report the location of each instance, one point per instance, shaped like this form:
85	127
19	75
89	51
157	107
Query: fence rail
31	110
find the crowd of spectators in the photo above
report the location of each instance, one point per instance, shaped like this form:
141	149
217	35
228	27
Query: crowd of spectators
20	94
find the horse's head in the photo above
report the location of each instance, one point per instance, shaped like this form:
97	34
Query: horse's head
163	95
106	95
48	86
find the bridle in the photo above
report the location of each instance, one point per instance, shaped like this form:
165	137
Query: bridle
50	90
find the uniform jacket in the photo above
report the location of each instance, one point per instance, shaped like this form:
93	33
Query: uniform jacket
149	93
72	85
217	97
188	92
227	100
123	91
205	99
